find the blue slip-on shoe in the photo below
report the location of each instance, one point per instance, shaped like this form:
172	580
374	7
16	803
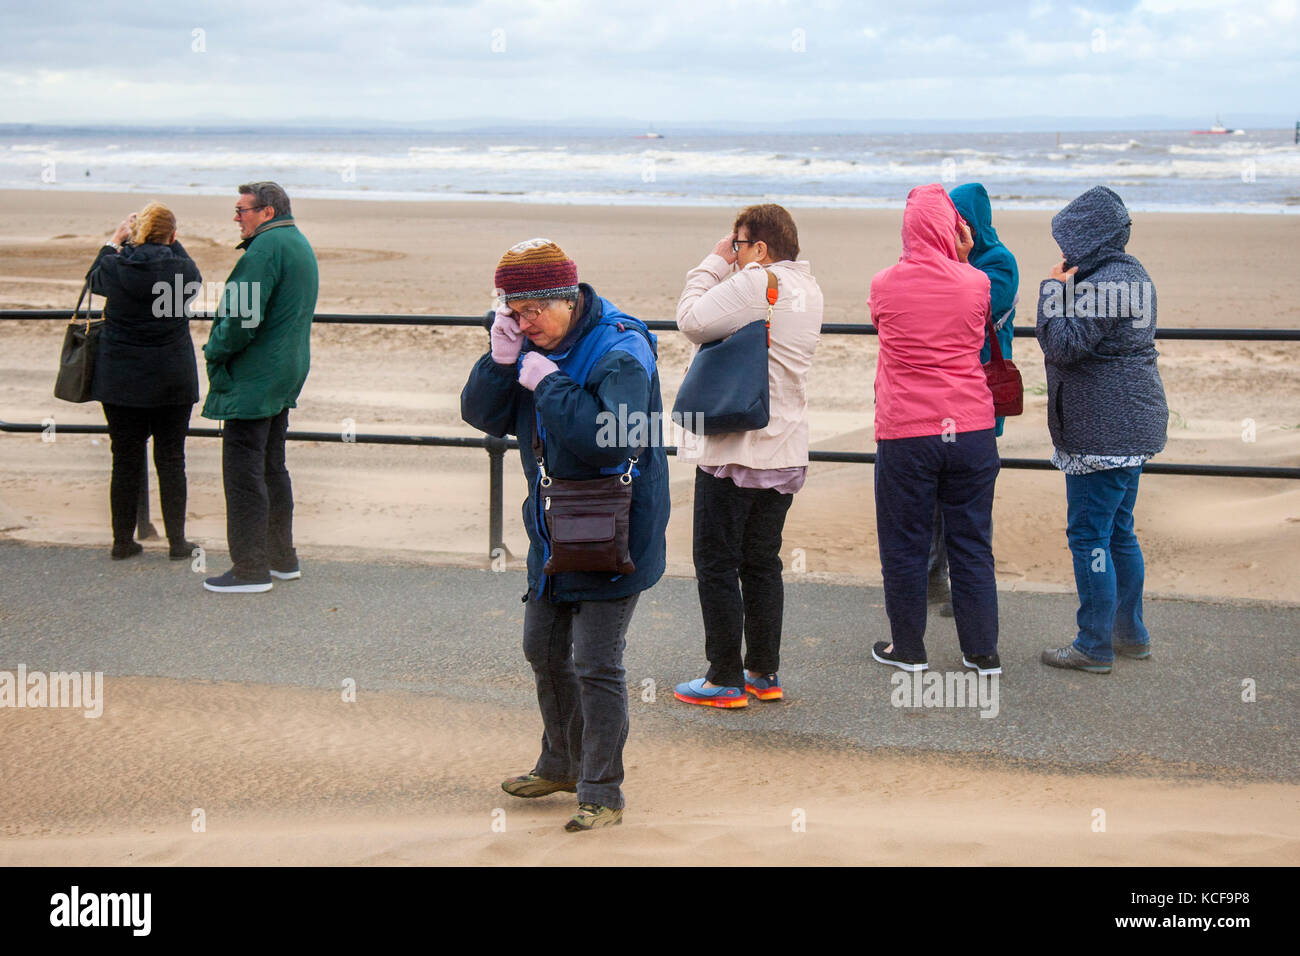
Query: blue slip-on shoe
767	687
228	582
694	692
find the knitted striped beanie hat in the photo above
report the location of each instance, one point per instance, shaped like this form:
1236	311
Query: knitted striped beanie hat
536	269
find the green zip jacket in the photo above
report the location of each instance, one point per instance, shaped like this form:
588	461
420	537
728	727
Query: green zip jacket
259	350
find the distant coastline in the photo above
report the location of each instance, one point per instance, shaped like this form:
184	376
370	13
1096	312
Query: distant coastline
641	201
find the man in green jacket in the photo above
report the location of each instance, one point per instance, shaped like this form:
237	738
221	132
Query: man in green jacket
258	355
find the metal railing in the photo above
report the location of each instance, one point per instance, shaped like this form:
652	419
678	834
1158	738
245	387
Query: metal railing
497	447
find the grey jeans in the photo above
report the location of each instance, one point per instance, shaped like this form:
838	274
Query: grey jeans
576	651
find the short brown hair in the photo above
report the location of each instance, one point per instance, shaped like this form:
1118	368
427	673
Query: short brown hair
270	194
773	225
154	223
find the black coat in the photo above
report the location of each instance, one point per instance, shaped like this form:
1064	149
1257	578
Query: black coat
146	356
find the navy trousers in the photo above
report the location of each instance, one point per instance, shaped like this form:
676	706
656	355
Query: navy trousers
912	474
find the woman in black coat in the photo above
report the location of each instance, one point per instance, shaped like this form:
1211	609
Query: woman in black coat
145	373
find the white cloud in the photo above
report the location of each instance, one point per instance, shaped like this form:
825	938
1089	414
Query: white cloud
671	60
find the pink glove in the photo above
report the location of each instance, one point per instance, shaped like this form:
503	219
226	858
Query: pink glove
506	337
536	367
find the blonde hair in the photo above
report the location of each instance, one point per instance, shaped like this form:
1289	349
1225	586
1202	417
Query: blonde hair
154	223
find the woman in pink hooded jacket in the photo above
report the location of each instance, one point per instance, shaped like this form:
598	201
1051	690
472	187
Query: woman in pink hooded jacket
934	433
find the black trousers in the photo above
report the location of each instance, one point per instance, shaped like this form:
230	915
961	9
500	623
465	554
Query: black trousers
129	430
259	496
737	550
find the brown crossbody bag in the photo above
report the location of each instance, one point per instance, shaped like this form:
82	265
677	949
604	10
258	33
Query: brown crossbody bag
588	521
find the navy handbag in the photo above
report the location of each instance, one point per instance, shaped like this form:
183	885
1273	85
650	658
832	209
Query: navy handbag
725	389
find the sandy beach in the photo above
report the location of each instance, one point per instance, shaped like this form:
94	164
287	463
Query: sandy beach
1201	536
283	778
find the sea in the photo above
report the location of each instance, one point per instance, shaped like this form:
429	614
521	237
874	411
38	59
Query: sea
1257	171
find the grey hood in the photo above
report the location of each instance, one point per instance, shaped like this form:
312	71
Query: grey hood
1092	228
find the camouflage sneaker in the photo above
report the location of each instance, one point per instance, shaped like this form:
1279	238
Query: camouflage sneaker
592	816
531	785
1071	658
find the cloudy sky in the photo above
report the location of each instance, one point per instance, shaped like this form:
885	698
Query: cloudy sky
652	61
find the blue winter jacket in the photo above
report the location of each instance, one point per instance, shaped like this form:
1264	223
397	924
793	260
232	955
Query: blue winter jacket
606	392
995	260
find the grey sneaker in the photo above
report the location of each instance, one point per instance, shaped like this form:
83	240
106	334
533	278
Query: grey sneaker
1071	658
592	816
1136	652
530	785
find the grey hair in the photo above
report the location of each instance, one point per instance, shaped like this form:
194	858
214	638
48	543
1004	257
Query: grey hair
269	194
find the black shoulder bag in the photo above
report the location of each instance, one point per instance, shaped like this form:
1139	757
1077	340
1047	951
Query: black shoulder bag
77	359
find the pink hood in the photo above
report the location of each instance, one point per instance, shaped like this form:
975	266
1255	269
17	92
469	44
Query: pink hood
930	312
930	224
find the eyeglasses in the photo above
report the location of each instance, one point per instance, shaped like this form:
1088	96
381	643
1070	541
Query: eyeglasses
240	210
735	243
531	314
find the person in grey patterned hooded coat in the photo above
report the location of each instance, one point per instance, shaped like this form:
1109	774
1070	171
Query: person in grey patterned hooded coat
1107	416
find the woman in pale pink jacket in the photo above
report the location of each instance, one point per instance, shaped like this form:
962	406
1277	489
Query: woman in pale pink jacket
746	481
934	434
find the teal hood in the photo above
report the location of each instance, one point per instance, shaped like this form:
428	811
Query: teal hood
972	201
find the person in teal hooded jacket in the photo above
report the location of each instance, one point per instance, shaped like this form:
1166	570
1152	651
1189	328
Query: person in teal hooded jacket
995	260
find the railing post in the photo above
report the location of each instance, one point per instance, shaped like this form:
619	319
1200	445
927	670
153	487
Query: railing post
496	449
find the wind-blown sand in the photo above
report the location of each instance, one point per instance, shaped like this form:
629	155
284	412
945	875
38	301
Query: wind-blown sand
412	779
285	775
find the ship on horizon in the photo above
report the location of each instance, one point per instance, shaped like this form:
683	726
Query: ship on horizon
1218	129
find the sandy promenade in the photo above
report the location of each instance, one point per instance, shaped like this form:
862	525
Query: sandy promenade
284	777
1224	537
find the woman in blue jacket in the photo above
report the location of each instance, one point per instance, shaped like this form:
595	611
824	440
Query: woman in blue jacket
567	365
1107	415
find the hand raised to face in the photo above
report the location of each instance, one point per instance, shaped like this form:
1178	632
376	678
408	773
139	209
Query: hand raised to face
723	248
965	241
1060	273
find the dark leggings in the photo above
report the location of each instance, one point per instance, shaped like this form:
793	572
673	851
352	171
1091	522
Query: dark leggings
130	428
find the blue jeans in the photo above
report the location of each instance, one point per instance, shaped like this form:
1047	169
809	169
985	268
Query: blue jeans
1108	568
912	474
